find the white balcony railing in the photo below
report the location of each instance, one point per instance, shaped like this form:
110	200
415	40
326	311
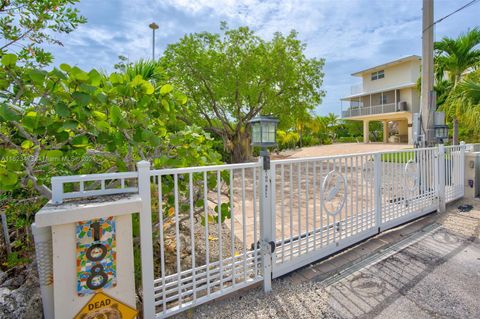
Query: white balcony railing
369	110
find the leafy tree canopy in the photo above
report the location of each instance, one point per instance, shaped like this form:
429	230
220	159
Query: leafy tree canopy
25	25
232	77
51	121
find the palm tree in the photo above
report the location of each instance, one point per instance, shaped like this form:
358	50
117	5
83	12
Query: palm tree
465	99
331	121
453	58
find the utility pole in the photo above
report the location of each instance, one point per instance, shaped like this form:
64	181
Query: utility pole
428	105
154	27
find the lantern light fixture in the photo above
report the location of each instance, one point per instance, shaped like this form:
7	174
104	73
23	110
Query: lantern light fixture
441	133
264	134
264	131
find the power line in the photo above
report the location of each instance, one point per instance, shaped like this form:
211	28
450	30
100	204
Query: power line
450	14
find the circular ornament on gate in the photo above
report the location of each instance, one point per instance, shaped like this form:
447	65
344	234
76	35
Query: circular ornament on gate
411	176
334	192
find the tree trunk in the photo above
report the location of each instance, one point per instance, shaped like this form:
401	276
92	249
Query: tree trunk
455	131
301	138
241	149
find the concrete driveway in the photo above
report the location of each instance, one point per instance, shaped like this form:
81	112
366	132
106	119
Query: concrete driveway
433	276
429	268
340	149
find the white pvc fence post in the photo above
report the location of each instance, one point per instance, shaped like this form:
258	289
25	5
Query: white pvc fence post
146	239
442	204
462	167
57	191
265	225
377	175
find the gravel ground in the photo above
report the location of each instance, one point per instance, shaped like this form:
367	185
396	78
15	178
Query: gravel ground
288	300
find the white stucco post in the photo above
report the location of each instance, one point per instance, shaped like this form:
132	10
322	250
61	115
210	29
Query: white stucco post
472	174
366	131
61	219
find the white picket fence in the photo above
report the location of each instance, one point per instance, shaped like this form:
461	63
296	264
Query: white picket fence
208	231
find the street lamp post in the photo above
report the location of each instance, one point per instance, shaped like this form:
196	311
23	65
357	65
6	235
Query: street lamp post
154	27
264	133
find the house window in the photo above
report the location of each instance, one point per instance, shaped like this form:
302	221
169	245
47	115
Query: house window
378	75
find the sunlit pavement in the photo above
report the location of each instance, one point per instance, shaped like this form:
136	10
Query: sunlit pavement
339	149
429	272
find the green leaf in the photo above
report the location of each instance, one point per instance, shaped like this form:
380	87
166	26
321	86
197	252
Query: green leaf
8	114
9	59
137	80
61	136
81	98
78	74
54	154
37	76
149	89
80	141
102	126
62	109
99	115
181	99
115	114
65	67
165	104
70	125
102	97
89	89
8	178
14	165
31	120
116	78
27	144
4	84
165	89
59	74
94	77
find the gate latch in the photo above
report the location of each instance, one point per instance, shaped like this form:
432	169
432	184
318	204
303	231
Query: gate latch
266	246
272	246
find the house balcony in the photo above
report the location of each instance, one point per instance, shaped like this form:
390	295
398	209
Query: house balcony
375	103
371	110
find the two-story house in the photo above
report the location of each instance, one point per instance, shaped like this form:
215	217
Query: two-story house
388	93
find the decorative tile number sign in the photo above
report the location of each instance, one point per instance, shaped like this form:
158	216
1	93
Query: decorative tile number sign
96	255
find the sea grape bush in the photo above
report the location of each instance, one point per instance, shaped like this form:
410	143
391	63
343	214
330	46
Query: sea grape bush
70	121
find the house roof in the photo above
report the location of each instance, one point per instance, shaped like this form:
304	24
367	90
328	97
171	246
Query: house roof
396	87
387	64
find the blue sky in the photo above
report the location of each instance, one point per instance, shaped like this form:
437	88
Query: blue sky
349	34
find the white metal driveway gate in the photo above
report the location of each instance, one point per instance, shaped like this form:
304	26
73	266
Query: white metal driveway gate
207	231
322	205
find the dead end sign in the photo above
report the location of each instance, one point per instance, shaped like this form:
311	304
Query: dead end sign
102	305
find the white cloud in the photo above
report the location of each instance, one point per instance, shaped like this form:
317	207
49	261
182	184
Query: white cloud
350	34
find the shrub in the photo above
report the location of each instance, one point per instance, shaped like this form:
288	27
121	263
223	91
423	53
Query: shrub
310	140
348	139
